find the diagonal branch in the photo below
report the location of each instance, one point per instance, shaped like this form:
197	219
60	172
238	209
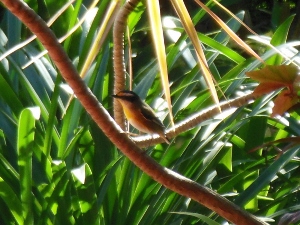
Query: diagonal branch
166	177
195	119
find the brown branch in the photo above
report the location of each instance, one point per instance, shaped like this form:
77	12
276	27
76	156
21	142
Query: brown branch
164	176
194	120
118	52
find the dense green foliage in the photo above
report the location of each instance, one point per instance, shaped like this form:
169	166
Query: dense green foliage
57	167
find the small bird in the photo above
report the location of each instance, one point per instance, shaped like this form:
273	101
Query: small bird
140	114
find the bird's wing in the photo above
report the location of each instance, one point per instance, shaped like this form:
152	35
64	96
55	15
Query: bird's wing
149	114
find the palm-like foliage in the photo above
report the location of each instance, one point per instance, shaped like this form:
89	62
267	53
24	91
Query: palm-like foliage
58	167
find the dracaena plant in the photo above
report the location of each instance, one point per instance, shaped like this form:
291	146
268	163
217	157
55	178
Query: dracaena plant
57	166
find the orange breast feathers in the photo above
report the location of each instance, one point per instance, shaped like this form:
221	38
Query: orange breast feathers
136	118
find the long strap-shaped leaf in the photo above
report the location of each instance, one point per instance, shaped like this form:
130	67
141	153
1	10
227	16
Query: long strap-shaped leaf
191	31
159	46
229	31
26	131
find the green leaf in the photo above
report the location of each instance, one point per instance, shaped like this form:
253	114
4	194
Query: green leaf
12	201
8	94
266	177
86	194
26	133
280	37
204	218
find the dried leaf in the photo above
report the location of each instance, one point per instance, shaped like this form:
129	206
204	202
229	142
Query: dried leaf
265	88
272	78
284	74
283	102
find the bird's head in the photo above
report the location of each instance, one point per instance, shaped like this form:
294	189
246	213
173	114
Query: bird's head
125	95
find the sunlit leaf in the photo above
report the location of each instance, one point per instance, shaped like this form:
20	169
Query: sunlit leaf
190	29
12	201
229	31
205	219
158	39
26	135
280	37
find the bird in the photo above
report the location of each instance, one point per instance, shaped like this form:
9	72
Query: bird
140	115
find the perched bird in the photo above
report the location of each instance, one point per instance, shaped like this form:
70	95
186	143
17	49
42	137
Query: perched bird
140	115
